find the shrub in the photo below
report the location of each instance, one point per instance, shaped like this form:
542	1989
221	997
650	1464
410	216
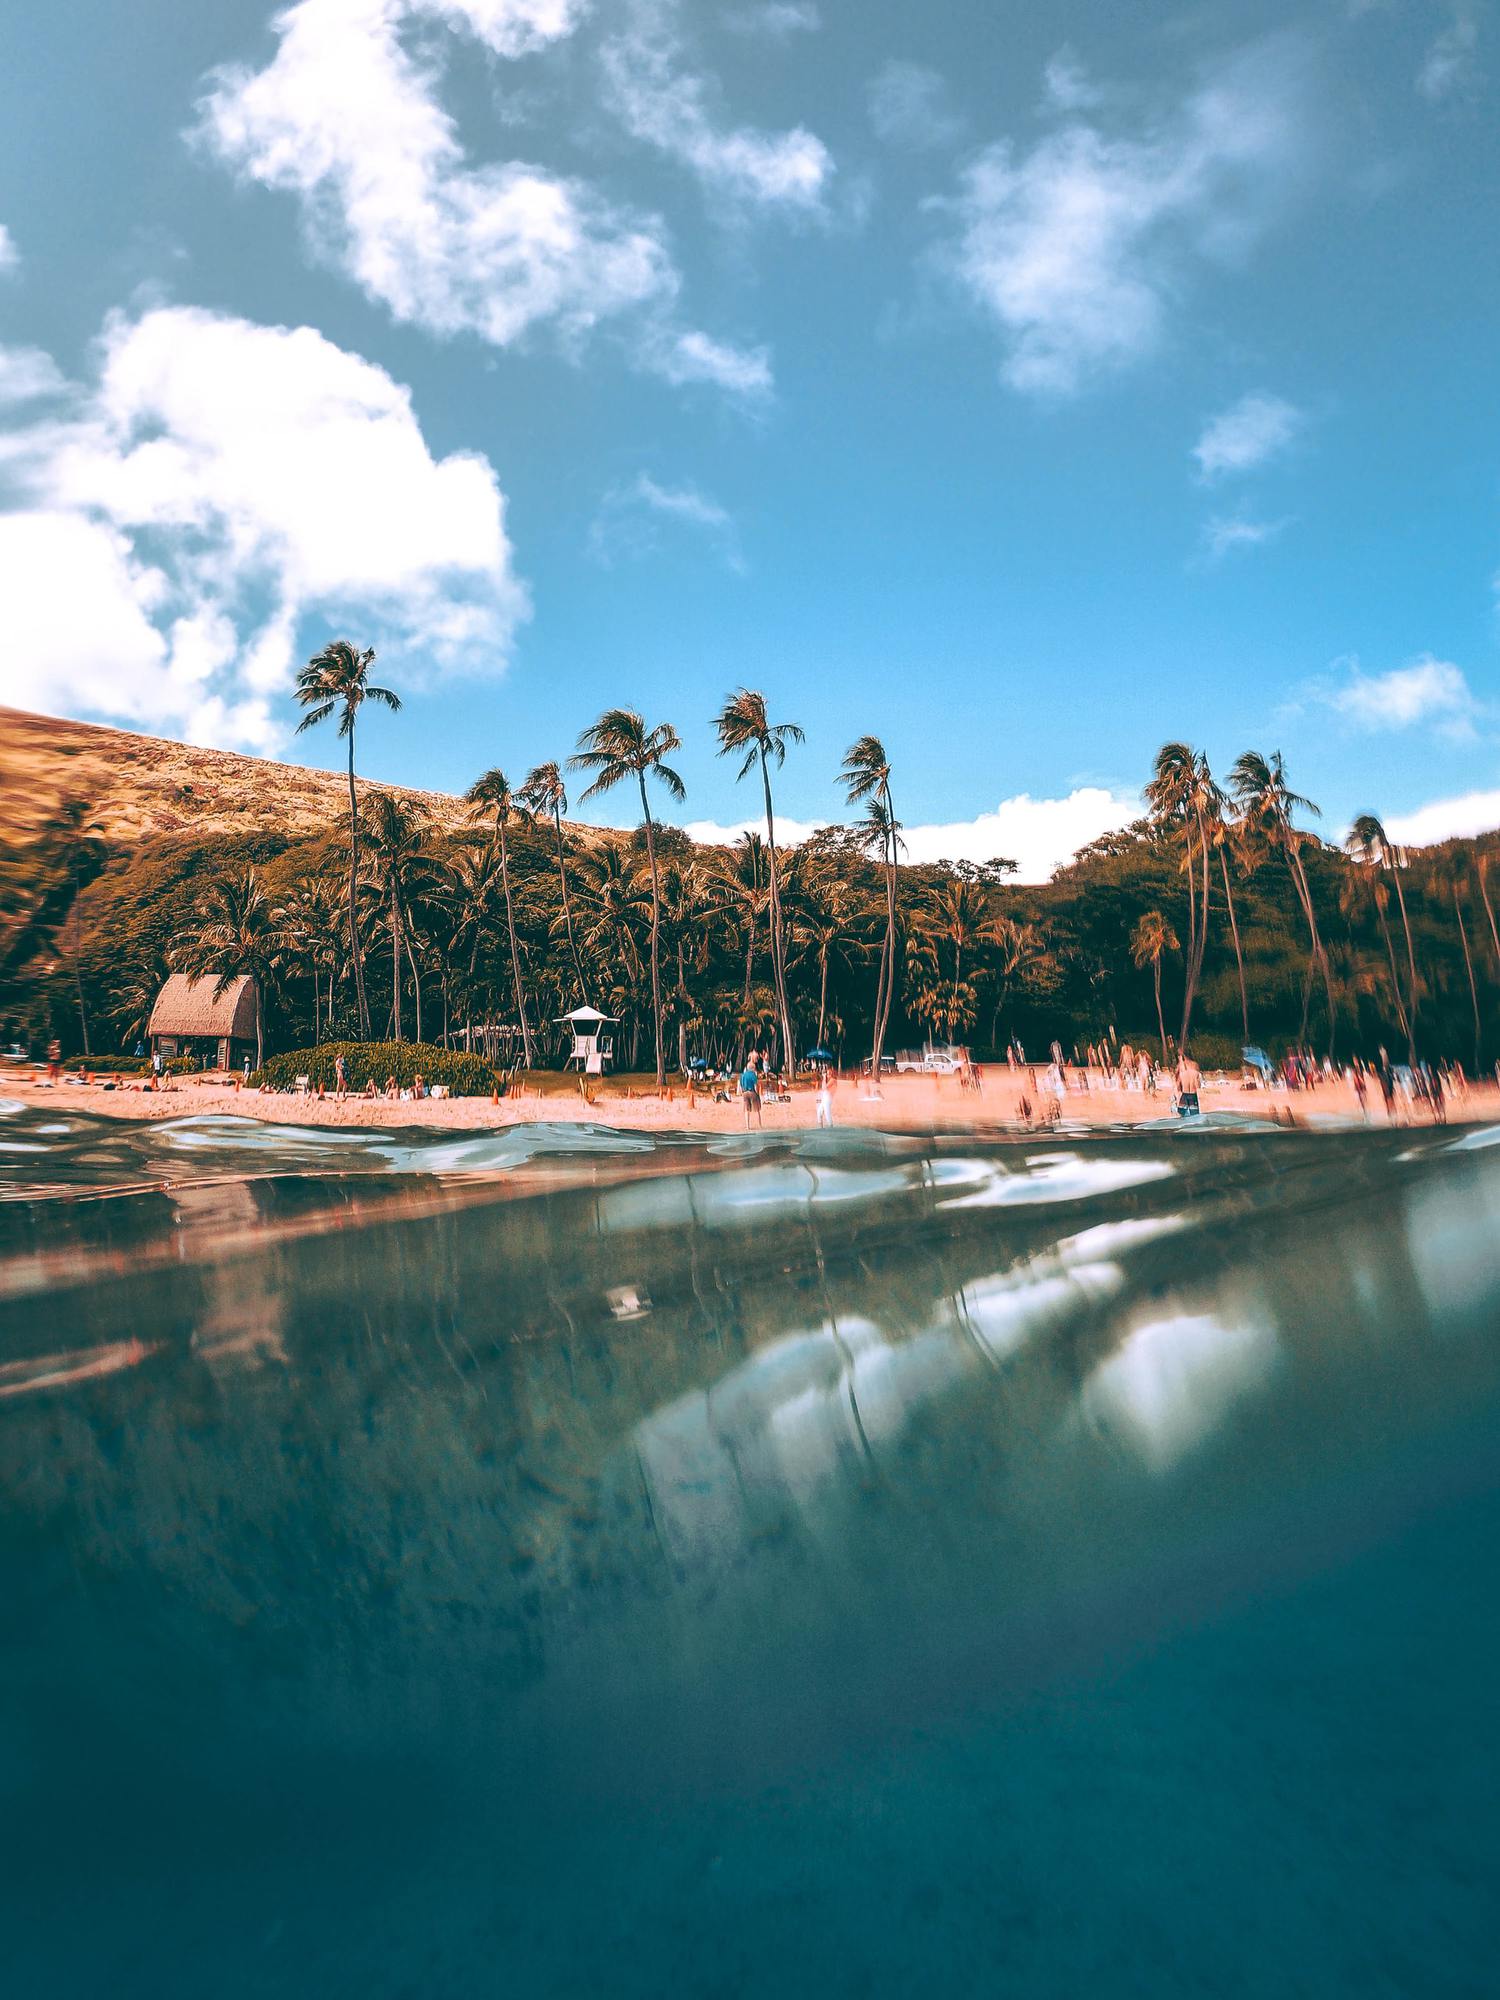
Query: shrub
112	1065
374	1062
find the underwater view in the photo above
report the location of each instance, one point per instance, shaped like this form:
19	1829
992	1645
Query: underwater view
562	1561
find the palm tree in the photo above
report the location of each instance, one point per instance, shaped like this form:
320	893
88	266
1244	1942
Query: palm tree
1268	802
545	794
1182	796
948	927
1151	939
1449	872
235	932
1366	842
744	727
309	920
1482	871
866	775
1225	836
492	794
399	866
1374	838
617	747
339	678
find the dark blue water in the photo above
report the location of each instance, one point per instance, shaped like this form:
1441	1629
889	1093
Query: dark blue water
570	1563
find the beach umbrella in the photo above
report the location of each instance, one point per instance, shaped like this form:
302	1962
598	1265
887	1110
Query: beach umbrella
820	1055
1258	1059
697	1062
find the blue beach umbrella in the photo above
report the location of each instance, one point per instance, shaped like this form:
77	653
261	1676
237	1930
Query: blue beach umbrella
1258	1059
819	1055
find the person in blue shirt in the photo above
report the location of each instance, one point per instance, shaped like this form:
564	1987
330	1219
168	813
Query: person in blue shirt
750	1092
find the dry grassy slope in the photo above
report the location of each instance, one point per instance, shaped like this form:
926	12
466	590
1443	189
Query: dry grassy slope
137	786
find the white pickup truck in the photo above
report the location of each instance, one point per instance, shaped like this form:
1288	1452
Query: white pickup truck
934	1060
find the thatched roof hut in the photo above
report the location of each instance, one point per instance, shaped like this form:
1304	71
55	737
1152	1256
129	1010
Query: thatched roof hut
201	1010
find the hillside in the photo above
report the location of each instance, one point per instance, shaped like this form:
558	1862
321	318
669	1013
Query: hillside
137	786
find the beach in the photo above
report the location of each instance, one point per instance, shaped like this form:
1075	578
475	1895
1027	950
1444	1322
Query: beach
904	1103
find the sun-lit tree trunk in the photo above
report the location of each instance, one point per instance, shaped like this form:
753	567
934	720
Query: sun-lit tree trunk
515	951
1463	932
1239	956
354	952
661	1053
395	922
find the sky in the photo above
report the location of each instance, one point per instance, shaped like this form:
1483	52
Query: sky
1022	385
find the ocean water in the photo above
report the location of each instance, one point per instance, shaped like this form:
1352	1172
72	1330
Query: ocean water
568	1562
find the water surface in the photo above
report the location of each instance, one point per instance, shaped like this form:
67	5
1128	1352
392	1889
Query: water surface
561	1561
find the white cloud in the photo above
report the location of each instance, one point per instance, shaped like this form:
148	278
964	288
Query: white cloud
27	375
776	19
1042	835
1224	533
628	520
1078	248
909	106
1451	66
349	120
1446	819
10	256
1066	86
694	357
669	106
1428	691
1245	435
170	536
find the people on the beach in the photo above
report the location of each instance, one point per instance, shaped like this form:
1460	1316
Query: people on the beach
1189	1083
340	1078
750	1091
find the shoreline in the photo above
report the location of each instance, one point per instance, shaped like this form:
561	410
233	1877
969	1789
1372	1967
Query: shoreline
904	1104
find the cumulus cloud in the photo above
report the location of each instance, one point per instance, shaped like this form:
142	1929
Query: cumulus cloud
1246	435
27	375
662	100
632	515
1429	692
909	106
1078	248
1446	819
1041	835
167	538
1224	533
349	120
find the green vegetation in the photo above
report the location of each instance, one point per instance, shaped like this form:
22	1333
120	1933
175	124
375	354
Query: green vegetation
1218	918
377	1063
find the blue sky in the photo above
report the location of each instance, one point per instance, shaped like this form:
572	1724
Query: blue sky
1024	385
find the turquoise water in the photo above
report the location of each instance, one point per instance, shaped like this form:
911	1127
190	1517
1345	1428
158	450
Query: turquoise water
569	1562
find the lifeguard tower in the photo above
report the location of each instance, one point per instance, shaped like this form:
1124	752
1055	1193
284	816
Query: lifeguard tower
593	1043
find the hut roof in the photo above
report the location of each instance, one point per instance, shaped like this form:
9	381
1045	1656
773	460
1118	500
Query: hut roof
187	1006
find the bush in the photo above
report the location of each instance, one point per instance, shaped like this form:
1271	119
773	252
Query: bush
374	1062
111	1065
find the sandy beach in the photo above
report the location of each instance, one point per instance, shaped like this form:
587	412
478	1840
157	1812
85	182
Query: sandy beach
906	1103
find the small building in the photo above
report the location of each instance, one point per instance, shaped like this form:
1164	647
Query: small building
593	1045
200	1017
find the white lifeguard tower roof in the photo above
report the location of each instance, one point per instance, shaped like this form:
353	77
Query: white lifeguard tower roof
583	1014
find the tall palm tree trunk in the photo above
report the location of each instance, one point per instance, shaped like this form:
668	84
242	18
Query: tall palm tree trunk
778	946
354	951
661	1054
567	903
1319	955
890	949
1403	1021
1234	931
396	967
1463	932
515	952
1489	908
1411	956
1161	1025
416	984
